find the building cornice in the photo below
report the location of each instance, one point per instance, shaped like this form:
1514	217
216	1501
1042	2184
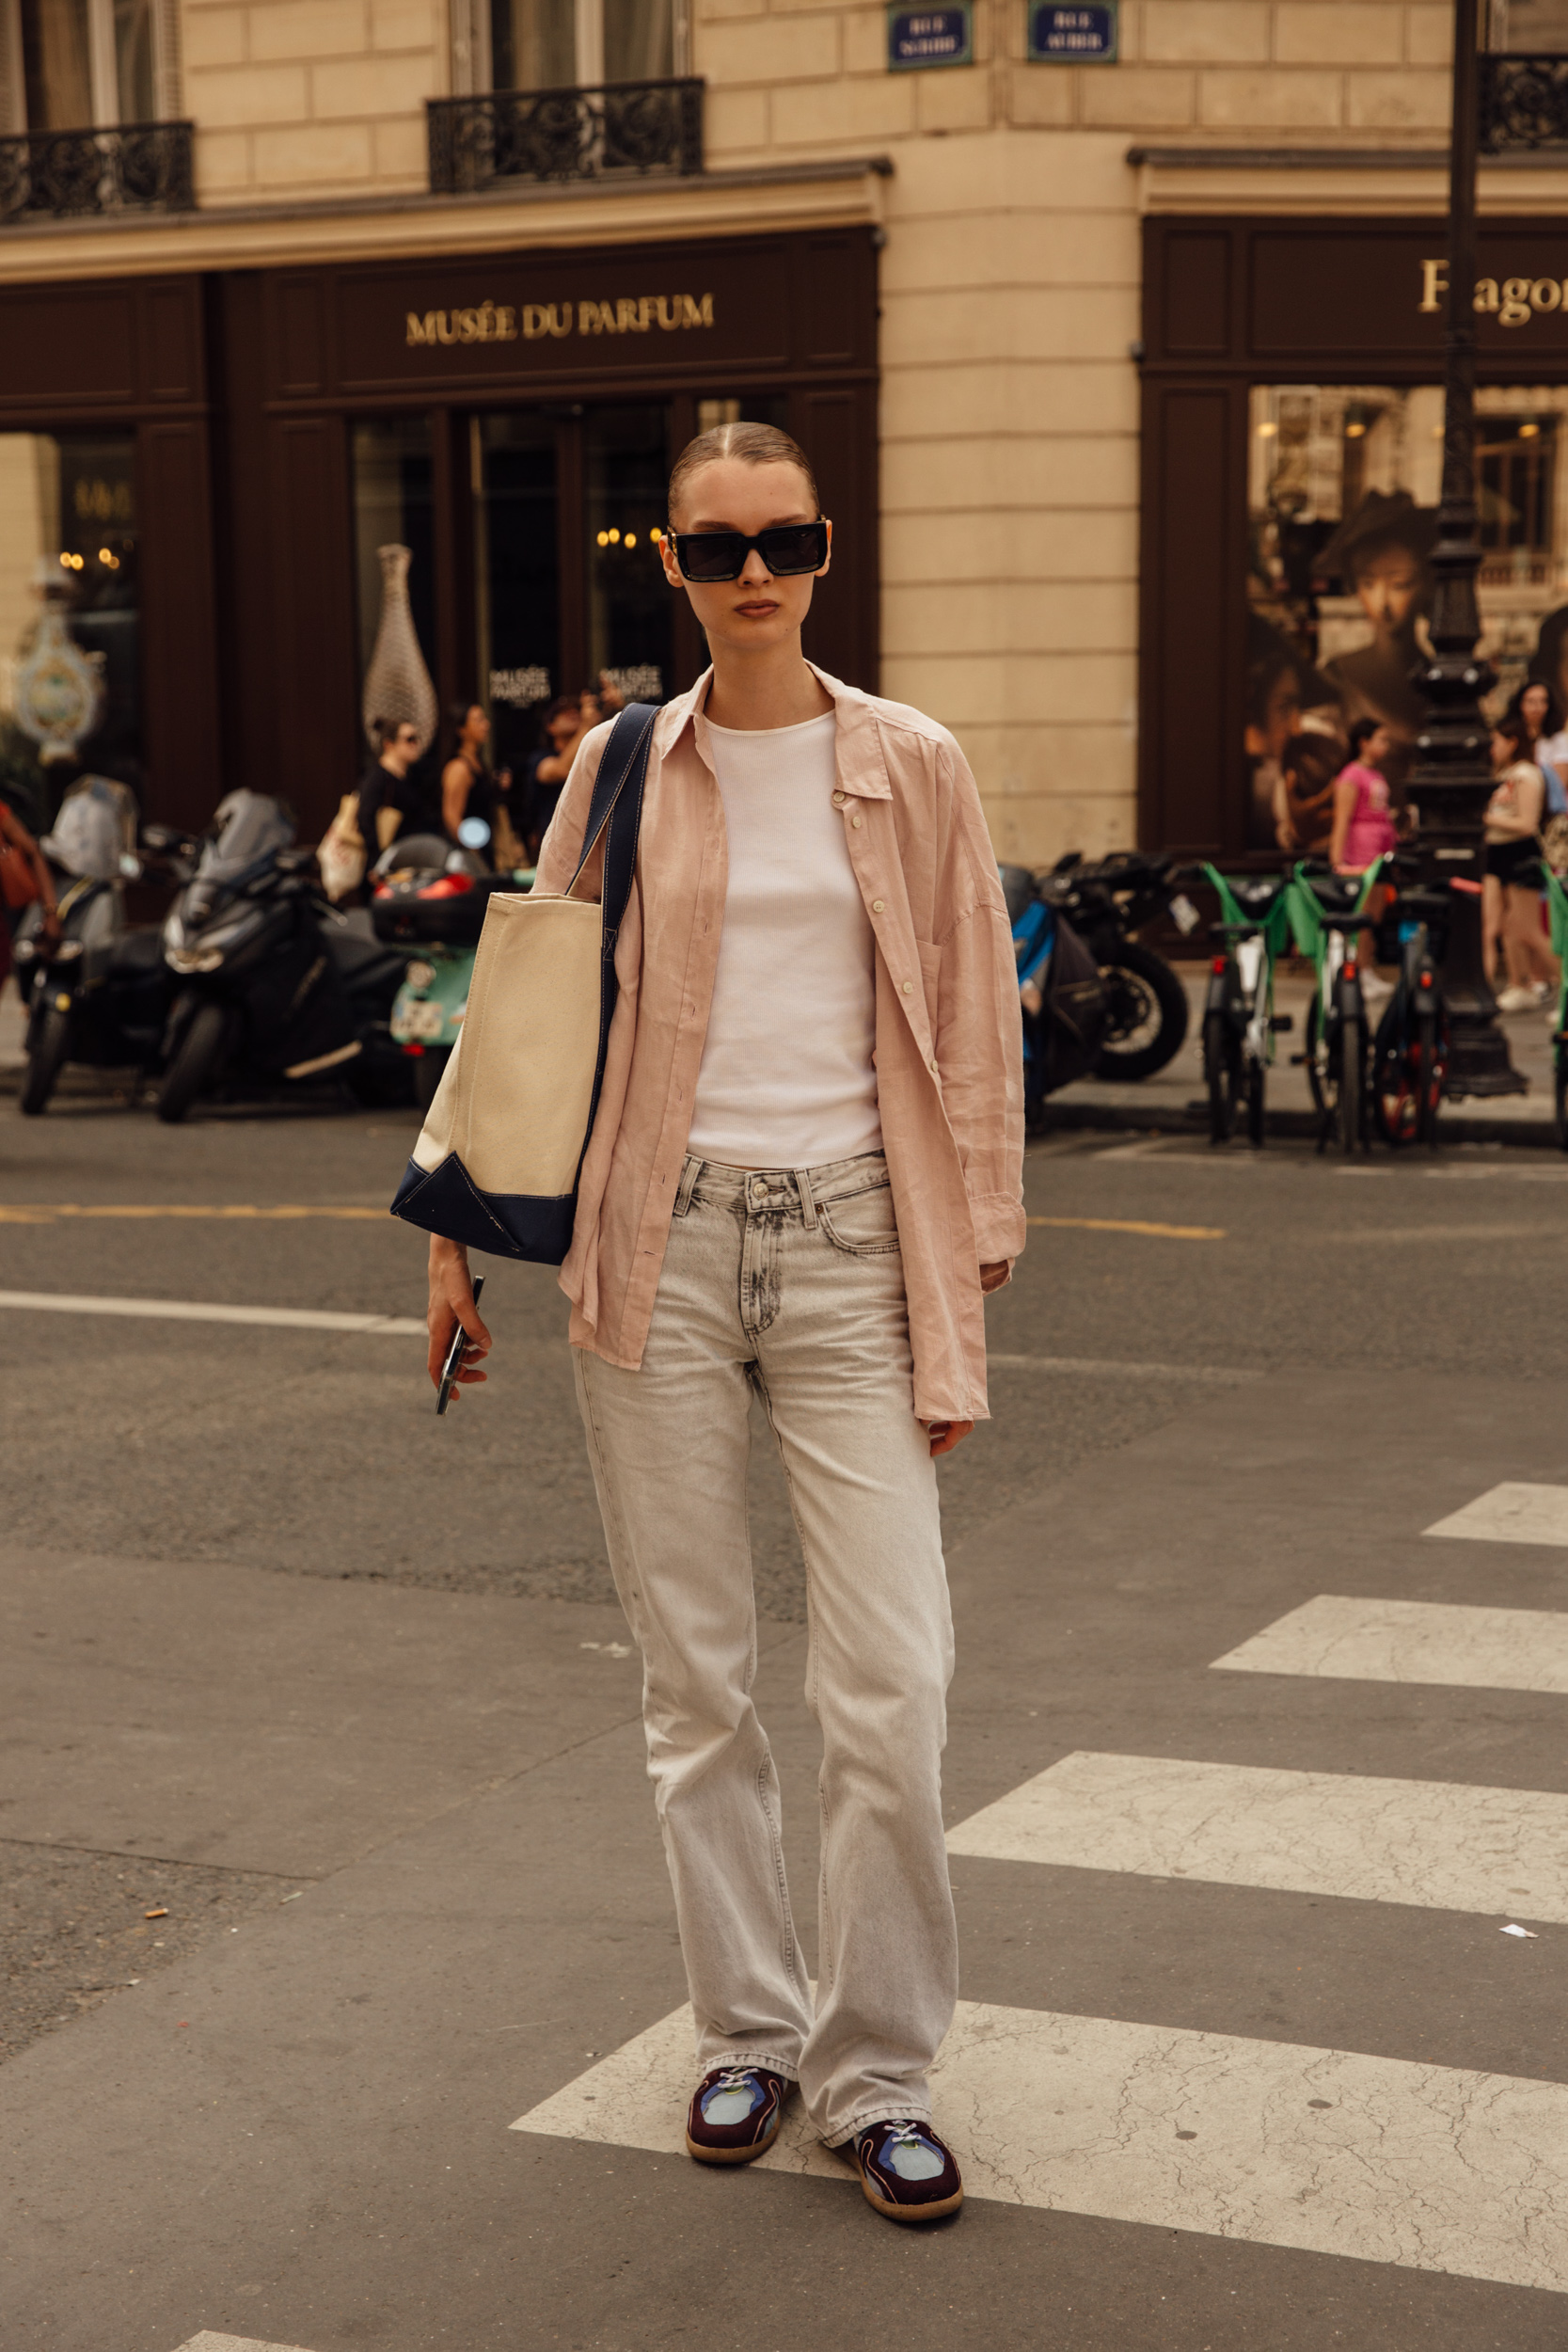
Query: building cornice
767	199
1196	178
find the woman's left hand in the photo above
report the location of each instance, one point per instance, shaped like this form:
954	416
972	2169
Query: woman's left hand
993	1277
945	1435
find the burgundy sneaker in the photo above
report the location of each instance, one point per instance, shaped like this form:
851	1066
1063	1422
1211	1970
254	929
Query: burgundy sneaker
908	2172
734	2114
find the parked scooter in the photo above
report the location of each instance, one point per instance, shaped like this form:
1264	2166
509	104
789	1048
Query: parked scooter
1145	1004
99	993
277	985
430	897
1061	994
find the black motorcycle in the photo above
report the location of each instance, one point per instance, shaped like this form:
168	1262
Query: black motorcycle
1146	1017
277	986
99	993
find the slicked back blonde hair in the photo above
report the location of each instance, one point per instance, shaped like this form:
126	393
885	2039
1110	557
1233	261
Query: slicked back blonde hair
753	444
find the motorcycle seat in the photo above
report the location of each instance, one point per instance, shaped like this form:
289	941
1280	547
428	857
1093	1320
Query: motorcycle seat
137	953
1017	888
354	955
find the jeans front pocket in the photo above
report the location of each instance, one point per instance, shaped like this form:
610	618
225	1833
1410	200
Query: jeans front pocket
861	1224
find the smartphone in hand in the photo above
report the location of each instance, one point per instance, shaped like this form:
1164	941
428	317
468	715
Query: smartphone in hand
449	1370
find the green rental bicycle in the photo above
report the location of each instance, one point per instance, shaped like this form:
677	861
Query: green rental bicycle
1327	914
1239	1021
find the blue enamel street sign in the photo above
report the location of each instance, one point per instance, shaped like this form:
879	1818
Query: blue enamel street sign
927	36
1070	36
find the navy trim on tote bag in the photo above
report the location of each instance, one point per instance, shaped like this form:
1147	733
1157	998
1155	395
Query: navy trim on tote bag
446	1199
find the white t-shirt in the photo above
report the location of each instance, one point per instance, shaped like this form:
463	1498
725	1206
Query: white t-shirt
787	1079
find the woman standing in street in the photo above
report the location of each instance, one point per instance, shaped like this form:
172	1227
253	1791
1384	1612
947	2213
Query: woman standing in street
1363	829
804	1174
1511	908
469	790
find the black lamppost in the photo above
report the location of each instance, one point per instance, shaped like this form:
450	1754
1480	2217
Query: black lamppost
1452	781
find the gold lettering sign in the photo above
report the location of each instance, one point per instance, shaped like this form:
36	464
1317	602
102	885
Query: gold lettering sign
500	323
1512	301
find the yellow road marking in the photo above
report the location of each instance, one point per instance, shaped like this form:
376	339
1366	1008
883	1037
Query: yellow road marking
1135	1225
44	1213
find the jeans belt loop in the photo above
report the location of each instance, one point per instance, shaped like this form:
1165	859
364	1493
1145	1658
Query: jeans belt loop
688	1185
808	1205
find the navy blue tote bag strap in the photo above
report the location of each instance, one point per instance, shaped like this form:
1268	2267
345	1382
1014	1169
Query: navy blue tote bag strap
615	811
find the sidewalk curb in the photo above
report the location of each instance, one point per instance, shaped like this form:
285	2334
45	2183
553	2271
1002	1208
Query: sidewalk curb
1284	1126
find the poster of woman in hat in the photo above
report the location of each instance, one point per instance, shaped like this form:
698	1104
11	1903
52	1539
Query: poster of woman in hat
1382	553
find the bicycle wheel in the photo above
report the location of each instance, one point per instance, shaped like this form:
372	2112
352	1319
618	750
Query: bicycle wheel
1353	1072
1322	1093
1256	1082
1428	1079
1147	1008
1221	1052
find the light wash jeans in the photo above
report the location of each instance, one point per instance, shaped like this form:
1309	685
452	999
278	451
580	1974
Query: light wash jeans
791	1282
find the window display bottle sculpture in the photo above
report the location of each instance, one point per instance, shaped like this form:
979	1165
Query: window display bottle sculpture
57	689
397	684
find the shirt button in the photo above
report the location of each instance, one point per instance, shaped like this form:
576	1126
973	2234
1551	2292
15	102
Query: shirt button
856	822
876	906
909	988
839	799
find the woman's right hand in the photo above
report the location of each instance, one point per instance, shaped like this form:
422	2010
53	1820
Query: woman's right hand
451	1302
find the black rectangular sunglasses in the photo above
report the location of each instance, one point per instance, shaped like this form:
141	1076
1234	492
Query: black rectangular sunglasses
785	549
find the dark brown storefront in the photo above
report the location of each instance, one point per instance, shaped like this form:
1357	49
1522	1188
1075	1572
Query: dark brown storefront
509	416
1291	434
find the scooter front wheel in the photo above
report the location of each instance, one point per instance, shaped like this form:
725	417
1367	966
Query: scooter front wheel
45	1061
1256	1081
194	1065
1221	1056
427	1076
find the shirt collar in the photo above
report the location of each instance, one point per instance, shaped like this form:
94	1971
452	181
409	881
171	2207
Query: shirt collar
861	769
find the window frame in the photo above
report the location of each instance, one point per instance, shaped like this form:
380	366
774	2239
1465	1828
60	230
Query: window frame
103	67
473	72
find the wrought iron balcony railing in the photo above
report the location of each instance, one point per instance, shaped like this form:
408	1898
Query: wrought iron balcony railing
1524	103
564	133
137	167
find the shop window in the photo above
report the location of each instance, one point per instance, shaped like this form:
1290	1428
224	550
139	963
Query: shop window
551	44
1343	485
630	623
395	570
91	62
69	617
517	600
744	408
1535	27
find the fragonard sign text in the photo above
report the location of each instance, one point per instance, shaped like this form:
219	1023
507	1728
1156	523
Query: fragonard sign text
1514	301
504	322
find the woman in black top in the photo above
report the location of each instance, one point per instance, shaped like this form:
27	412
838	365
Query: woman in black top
468	788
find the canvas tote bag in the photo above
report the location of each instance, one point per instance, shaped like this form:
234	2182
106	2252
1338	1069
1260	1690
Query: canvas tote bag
497	1160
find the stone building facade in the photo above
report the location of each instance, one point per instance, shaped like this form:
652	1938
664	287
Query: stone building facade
1008	203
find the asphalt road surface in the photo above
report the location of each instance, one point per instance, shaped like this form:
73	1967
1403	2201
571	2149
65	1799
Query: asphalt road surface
329	1859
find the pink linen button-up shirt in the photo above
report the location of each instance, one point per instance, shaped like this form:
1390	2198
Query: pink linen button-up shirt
948	1052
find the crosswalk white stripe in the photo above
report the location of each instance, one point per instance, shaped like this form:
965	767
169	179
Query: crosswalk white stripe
1105	1368
199	1311
1427	2167
1440	1844
1411	1640
1513	1512
208	2341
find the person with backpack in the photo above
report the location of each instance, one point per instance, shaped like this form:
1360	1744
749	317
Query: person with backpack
804	1175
